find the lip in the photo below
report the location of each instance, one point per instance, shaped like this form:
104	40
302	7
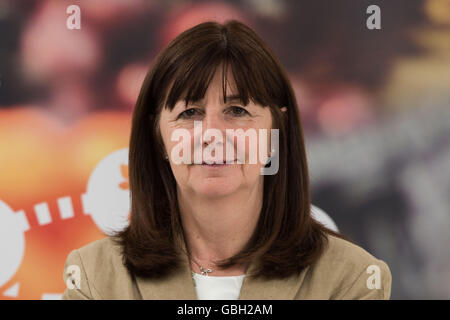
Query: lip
211	166
217	165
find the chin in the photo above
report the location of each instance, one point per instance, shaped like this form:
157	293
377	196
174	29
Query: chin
215	187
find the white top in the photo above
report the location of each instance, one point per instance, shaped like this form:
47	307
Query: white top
217	288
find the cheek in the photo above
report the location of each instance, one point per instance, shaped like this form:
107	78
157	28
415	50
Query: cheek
257	149
181	173
165	136
181	144
251	173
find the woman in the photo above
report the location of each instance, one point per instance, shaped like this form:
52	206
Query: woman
205	230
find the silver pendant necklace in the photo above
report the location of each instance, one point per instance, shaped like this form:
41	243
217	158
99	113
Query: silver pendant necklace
204	271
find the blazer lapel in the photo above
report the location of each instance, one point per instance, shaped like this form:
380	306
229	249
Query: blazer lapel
180	285
277	289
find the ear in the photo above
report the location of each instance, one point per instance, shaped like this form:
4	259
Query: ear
284	109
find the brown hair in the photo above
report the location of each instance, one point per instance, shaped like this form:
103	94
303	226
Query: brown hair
286	238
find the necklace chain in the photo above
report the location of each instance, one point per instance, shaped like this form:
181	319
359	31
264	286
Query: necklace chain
204	271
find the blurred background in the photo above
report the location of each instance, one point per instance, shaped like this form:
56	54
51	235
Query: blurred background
375	105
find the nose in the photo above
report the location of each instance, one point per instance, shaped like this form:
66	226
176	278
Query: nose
214	120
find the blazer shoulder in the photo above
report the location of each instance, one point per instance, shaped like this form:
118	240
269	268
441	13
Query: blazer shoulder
347	253
348	271
101	269
96	251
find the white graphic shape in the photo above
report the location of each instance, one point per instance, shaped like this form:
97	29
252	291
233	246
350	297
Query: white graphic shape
12	241
65	207
321	216
13	291
42	213
104	200
51	296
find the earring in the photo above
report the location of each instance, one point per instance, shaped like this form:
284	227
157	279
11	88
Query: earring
166	157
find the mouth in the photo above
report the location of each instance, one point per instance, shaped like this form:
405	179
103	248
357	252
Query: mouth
217	165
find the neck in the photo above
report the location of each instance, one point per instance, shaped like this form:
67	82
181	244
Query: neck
218	228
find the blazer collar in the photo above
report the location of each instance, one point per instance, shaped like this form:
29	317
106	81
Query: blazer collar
180	285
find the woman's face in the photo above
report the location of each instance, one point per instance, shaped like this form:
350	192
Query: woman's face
212	113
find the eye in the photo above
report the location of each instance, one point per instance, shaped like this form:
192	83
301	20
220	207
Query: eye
187	114
238	111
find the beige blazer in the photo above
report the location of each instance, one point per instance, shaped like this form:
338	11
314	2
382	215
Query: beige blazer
344	271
